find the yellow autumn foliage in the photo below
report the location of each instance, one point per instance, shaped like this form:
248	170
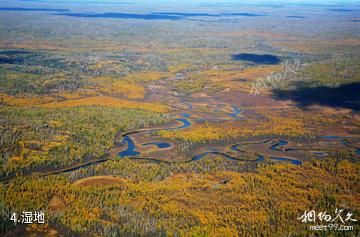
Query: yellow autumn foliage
24	100
250	73
142	77
264	203
130	86
178	67
69	95
239	80
202	133
110	65
124	88
109	102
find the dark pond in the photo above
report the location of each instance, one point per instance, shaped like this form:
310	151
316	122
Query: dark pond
12	56
13	52
8	60
257	58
